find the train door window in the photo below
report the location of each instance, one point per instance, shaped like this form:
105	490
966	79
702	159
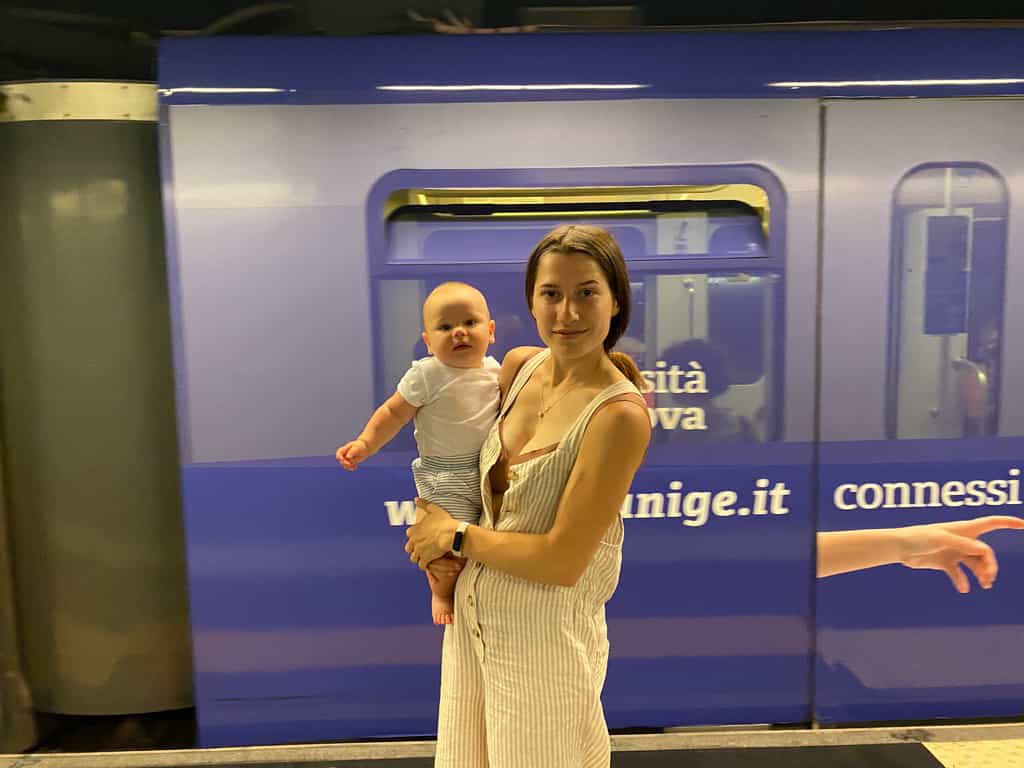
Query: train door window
705	287
721	325
946	320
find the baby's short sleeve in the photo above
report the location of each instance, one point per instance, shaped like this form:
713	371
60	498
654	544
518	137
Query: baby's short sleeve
413	386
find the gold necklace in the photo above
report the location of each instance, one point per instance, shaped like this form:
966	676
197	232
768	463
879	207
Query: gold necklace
543	410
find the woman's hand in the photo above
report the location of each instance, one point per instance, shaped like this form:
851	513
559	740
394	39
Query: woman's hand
431	535
944	546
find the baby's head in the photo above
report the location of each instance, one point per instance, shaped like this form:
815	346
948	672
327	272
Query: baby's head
457	326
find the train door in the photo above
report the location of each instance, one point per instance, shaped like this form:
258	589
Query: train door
922	341
720	490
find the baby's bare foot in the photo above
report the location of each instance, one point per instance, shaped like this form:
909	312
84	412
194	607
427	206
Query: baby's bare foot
443	609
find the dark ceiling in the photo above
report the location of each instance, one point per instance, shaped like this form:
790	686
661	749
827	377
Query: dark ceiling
117	39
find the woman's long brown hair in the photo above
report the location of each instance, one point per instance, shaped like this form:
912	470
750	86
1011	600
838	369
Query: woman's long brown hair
599	245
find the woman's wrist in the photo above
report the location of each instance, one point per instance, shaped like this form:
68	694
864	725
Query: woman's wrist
903	543
448	535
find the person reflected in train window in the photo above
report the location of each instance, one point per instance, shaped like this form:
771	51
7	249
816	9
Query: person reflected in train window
938	546
976	380
524	663
452	397
723	424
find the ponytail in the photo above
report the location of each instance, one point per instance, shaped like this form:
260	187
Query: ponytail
629	369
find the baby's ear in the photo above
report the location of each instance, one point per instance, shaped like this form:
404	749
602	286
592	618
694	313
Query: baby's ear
491	326
426	342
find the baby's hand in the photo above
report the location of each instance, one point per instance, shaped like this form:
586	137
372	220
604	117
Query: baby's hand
352	454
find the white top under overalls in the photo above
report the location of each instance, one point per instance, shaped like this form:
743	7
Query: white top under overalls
456	409
524	663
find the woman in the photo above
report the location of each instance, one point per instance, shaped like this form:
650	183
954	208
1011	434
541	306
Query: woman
523	665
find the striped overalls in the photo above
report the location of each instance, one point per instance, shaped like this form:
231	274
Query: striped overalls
524	663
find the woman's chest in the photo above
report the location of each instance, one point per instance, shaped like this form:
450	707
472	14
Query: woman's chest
524	496
534	424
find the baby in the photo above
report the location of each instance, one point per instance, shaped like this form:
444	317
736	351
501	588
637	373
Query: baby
453	399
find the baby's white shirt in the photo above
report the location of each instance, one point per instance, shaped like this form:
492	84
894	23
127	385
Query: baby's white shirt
457	406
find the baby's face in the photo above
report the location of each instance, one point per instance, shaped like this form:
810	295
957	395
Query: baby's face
457	326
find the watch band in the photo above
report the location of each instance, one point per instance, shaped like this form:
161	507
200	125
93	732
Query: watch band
459	538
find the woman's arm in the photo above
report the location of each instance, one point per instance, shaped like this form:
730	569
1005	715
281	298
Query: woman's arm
937	546
613	447
845	551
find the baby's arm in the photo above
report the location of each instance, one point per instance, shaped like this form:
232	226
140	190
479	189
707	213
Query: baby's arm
385	423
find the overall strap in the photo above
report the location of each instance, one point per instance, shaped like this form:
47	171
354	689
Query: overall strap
574	436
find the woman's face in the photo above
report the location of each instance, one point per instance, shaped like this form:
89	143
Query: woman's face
572	303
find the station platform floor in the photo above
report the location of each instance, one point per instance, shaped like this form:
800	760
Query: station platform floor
992	745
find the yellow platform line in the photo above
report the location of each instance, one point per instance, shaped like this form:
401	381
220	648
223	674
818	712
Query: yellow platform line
1002	753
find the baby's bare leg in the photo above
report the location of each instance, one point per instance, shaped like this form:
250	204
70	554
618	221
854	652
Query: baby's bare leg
442	574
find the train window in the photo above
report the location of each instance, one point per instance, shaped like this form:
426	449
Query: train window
723	326
458	226
946	320
704	289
